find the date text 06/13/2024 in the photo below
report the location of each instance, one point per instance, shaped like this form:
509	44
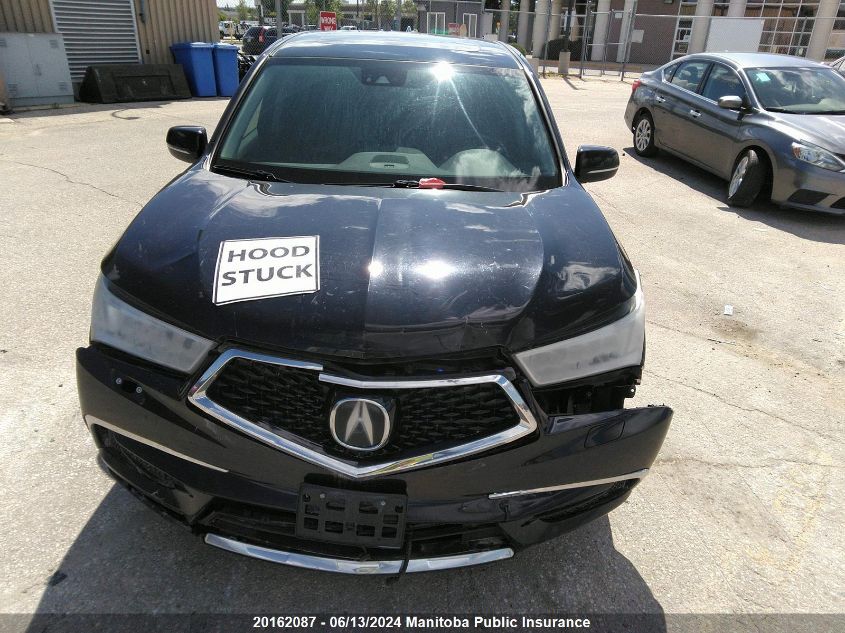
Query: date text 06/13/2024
422	622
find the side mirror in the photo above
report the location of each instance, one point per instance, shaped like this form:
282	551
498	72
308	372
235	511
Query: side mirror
595	162
187	142
731	102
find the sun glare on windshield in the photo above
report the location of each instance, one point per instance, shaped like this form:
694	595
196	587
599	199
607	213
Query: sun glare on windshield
443	71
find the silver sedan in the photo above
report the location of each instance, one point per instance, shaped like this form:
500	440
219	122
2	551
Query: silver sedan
771	125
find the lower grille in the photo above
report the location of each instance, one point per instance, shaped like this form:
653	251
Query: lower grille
277	528
293	400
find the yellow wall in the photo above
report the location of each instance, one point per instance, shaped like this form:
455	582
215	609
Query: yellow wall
26	16
169	21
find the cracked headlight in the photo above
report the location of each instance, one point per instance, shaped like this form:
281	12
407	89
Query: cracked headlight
613	346
817	156
119	325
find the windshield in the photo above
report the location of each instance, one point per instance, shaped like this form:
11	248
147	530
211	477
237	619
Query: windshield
374	122
799	90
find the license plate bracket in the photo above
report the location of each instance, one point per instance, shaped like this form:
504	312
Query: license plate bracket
351	517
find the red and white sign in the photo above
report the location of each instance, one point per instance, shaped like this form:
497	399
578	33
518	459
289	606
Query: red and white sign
454	28
328	21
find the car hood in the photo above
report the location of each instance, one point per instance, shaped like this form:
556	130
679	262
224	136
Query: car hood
826	131
402	272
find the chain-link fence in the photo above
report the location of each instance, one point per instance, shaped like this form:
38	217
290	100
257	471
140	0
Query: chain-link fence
586	41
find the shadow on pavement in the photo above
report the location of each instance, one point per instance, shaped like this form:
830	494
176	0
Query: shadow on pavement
818	227
119	108
127	559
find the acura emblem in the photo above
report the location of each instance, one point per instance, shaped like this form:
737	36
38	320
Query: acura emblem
359	424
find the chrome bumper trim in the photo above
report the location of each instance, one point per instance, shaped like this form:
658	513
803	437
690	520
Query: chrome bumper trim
292	445
342	566
90	419
639	474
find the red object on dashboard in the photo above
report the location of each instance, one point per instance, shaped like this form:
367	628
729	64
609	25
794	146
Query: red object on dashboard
431	183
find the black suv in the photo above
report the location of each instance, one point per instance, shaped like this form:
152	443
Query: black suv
377	326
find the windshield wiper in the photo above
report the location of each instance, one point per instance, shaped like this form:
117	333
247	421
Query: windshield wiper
252	174
415	184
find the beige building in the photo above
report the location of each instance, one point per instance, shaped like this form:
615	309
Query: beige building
113	31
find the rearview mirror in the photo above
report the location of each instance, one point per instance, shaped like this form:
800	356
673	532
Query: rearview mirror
187	142
731	102
595	162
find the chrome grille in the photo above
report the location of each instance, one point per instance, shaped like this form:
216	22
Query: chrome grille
293	400
444	418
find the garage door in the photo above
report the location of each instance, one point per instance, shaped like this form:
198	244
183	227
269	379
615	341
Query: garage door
96	32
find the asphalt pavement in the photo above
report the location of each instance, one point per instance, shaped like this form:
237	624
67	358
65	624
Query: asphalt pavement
742	512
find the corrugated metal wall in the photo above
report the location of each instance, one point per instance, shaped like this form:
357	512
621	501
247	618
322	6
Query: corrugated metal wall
96	32
26	16
165	22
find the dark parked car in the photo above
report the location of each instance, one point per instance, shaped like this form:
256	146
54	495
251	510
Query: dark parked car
378	325
258	38
769	124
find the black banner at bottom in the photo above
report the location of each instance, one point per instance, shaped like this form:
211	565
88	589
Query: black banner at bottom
422	623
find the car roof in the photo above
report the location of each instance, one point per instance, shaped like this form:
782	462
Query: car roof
397	45
759	60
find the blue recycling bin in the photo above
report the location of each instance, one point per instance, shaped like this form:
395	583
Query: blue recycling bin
225	68
195	58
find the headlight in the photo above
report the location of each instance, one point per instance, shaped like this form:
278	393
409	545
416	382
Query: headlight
130	330
614	346
817	156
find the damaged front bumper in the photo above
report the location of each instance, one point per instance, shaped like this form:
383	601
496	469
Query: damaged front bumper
243	495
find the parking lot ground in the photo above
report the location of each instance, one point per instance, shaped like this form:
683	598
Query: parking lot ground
742	512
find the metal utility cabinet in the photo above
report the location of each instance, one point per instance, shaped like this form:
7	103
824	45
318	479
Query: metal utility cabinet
35	69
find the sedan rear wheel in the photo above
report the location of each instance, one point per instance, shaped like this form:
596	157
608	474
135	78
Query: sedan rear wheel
644	135
747	179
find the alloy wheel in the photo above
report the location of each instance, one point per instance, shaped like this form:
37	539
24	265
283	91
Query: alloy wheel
738	175
642	135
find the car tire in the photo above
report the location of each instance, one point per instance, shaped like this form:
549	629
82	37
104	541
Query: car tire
644	135
747	179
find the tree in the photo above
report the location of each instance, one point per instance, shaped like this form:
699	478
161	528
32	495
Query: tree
409	8
243	10
387	10
221	17
311	12
313	8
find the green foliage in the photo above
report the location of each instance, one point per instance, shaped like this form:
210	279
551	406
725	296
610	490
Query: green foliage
336	6
313	8
556	47
409	8
243	10
387	8
222	17
382	11
311	12
520	48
